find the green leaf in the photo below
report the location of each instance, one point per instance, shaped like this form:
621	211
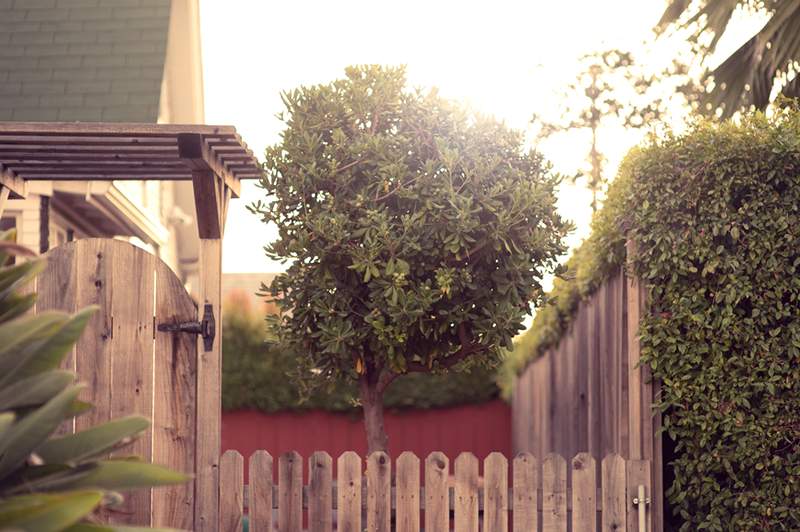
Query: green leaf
51	352
93	442
35	390
29	432
51	512
89	527
122	475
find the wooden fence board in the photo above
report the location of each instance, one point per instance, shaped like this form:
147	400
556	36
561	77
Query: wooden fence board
408	484
637	474
584	492
613	494
466	493
379	492
231	475
132	285
56	289
290	492
525	493
260	492
554	494
320	492
348	492
174	416
437	498
495	489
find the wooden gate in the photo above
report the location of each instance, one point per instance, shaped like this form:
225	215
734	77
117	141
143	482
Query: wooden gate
130	367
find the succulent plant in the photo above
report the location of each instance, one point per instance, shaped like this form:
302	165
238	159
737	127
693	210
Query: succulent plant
51	482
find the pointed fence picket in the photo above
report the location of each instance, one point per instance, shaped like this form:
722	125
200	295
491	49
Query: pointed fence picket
554	494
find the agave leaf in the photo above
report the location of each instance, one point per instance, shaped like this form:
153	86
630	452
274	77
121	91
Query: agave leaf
47	353
15	335
78	407
48	477
51	512
124	475
93	442
15	306
6	420
51	354
29	432
12	277
91	527
36	390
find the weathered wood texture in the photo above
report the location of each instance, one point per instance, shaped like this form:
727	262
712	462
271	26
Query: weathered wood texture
231	473
589	393
566	495
128	366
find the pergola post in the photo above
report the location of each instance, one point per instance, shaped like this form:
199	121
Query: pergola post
211	194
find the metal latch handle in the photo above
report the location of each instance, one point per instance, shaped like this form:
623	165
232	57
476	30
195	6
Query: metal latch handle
641	502
206	328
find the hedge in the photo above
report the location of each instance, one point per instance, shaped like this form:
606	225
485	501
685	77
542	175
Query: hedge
715	215
257	374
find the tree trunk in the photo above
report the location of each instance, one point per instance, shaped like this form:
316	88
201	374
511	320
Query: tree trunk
372	404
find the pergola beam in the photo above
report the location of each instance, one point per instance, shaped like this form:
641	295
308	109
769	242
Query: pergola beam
195	152
11	181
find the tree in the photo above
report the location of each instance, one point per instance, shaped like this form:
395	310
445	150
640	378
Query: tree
418	233
765	65
612	89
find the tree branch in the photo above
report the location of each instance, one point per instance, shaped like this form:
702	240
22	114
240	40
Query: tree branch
468	348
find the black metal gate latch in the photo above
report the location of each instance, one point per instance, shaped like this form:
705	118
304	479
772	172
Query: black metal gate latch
205	328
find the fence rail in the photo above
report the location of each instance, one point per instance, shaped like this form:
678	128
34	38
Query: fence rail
417	495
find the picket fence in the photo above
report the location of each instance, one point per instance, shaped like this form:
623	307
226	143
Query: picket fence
546	496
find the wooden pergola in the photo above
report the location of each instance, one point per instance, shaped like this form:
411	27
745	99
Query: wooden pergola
213	158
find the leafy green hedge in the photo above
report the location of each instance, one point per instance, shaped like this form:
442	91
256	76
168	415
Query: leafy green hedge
715	214
258	375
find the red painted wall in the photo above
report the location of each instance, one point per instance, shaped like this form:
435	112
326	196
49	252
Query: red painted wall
479	429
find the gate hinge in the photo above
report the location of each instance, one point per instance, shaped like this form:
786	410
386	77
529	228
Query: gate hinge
205	328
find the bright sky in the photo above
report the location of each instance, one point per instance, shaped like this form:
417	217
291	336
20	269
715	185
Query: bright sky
508	59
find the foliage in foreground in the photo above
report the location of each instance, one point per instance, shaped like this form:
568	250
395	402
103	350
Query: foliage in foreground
419	233
48	482
255	370
716	218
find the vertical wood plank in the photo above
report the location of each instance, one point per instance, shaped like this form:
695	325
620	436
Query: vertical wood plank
93	363
348	499
132	287
580	371
466	493
657	467
524	491
56	289
260	492
379	492
290	492
637	474
231	492
437	498
613	494
495	493
407	512
174	400
320	492
209	389
594	423
584	489
554	494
